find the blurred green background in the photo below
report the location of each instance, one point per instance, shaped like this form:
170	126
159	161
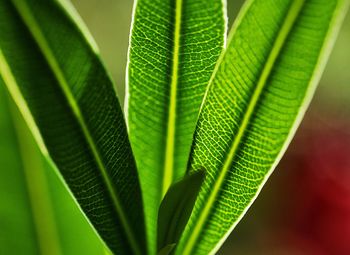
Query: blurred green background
303	209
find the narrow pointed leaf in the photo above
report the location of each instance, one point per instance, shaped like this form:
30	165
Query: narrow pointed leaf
173	49
257	96
35	206
16	217
52	70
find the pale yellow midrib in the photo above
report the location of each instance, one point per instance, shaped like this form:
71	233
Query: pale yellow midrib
276	48
168	173
32	25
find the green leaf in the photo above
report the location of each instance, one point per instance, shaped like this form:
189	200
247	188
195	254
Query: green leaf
35	206
257	96
174	46
16	219
167	249
176	208
52	70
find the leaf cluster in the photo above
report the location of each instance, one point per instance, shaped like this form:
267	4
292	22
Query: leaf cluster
207	116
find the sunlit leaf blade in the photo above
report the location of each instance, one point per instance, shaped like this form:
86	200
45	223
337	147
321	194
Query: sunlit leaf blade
174	45
36	210
257	96
53	73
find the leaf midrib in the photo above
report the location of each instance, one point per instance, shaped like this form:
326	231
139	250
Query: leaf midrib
32	25
288	23
171	129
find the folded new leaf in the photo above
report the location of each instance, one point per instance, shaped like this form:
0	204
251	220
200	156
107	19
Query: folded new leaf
176	208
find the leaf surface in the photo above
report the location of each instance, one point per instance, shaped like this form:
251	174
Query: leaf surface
35	206
52	70
257	96
174	46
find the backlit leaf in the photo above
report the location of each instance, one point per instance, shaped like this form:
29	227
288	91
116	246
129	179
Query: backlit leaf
51	68
174	46
257	97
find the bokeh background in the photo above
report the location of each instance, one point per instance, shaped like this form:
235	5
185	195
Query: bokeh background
304	209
